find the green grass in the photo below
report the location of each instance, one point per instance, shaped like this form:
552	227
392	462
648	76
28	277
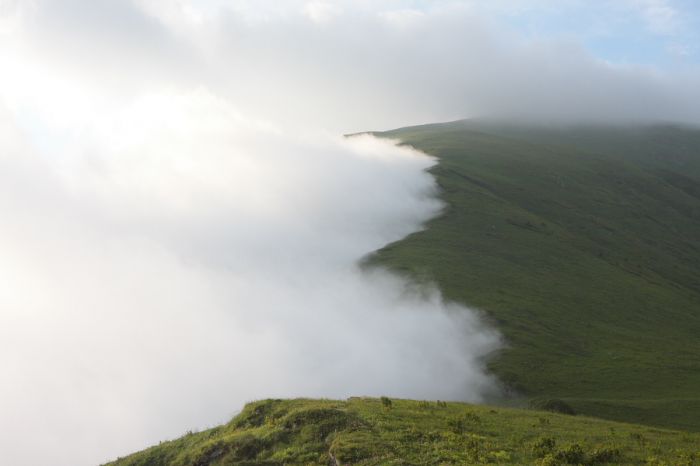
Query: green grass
366	431
582	246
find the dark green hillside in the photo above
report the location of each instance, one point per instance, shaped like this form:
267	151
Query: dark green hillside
583	246
400	432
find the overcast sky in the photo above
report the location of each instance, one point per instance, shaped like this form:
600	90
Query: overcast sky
325	63
181	219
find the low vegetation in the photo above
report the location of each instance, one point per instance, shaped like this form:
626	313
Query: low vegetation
364	431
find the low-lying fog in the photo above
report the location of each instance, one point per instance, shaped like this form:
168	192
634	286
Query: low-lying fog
181	261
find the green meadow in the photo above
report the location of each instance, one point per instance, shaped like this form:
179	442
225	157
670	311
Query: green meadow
581	245
369	431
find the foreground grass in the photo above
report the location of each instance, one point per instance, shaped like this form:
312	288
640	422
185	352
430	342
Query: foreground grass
582	246
373	431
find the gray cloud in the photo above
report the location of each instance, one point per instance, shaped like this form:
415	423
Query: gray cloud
303	61
415	65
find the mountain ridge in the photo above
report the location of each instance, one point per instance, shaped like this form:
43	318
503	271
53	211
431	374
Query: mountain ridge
582	248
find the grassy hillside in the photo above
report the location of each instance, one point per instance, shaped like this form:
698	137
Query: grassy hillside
367	431
582	245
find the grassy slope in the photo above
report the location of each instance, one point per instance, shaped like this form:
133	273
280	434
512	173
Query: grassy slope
583	247
363	431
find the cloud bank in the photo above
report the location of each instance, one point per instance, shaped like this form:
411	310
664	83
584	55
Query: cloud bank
322	63
181	223
178	260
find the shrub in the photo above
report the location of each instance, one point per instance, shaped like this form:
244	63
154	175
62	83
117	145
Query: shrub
554	405
500	456
254	414
543	446
317	423
456	425
655	461
687	458
639	438
547	460
572	454
604	455
473	450
386	402
424	405
247	447
459	424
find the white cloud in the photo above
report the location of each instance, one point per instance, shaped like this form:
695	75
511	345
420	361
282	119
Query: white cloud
410	64
180	259
660	15
321	11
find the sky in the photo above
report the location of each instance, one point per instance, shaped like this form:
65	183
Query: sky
297	62
662	33
658	33
182	220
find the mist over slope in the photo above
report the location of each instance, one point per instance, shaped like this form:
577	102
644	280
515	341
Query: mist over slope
582	244
187	260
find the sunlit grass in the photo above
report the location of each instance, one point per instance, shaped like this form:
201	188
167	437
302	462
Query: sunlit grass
369	431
